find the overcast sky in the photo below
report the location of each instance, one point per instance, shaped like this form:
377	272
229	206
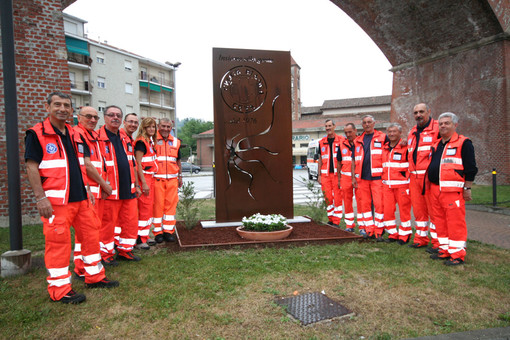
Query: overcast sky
337	59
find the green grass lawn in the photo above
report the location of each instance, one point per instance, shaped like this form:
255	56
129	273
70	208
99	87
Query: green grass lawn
482	194
395	292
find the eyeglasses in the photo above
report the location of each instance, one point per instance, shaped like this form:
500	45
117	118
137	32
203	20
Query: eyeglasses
118	115
90	117
421	111
132	122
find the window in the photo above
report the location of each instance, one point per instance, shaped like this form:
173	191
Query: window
129	88
72	78
128	66
101	82
303	145
101	106
100	57
143	73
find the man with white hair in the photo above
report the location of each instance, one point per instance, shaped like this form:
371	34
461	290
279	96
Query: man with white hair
368	171
451	173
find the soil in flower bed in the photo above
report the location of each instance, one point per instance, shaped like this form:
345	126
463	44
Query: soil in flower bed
303	233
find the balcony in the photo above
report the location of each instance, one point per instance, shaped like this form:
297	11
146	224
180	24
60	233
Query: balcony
154	79
79	60
83	88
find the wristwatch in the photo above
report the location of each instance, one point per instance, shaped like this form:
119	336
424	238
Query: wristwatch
466	188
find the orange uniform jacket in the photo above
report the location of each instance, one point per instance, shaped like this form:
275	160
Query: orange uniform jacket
325	153
53	168
167	152
376	146
428	137
91	138
451	177
149	160
345	151
108	152
395	166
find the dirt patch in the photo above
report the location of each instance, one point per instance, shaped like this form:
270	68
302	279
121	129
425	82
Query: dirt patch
303	233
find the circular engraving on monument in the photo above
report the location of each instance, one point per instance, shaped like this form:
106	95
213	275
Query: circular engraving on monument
243	89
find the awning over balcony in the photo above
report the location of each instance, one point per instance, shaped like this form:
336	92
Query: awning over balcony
77	46
154	87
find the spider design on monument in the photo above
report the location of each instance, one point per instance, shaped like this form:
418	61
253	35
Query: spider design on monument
237	155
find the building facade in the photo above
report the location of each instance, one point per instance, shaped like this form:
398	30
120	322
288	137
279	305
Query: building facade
310	126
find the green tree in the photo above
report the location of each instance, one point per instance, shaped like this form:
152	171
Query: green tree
191	126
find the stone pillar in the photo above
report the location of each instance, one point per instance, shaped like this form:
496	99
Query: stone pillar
471	82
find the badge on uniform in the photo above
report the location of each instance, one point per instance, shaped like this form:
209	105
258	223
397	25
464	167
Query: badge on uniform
377	144
91	152
397	157
80	148
152	150
357	149
344	151
130	148
51	148
409	141
106	149
160	142
169	143
451	151
427	139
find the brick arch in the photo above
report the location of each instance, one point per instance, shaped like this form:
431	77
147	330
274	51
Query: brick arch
453	55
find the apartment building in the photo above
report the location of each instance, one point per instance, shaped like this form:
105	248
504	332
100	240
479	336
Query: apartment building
103	75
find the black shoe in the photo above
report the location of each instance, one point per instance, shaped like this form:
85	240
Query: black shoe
350	230
330	223
432	250
453	262
73	298
438	256
402	242
79	277
159	238
379	239
417	245
391	240
104	283
169	237
109	262
151	242
129	256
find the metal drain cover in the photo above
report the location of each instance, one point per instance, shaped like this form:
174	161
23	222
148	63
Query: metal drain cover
313	307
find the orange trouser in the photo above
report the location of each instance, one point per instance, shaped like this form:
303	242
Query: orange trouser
57	250
145	209
449	212
371	191
347	195
400	196
421	212
125	214
333	195
165	205
79	267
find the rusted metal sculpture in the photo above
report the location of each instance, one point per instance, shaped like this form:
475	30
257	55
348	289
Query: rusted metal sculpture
252	133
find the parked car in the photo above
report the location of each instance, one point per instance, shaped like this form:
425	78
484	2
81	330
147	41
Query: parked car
188	167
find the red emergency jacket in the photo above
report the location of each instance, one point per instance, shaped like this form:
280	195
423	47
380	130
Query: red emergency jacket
428	137
54	168
149	159
395	166
167	152
108	151
451	169
376	146
324	150
345	151
96	158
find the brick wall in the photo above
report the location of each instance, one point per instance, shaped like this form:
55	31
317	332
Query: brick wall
41	67
474	85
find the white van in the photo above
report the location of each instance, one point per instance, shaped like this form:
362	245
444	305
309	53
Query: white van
312	159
